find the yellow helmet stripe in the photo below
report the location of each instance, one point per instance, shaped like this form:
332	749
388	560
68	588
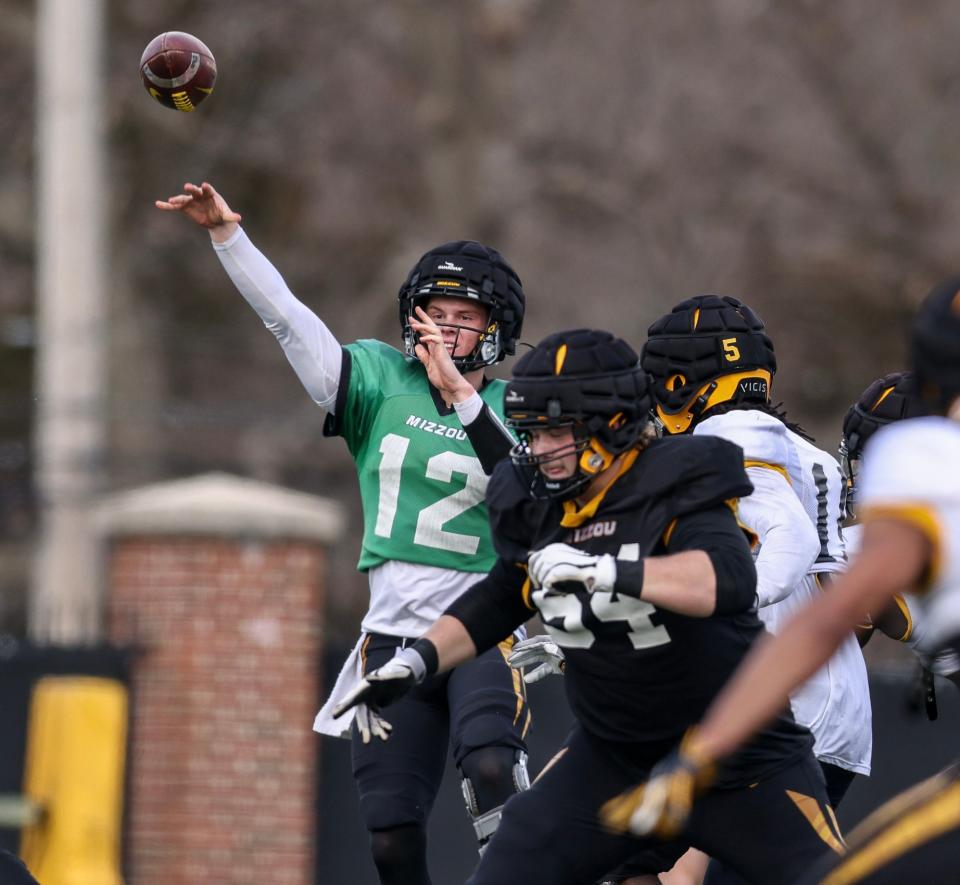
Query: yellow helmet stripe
561	356
883	396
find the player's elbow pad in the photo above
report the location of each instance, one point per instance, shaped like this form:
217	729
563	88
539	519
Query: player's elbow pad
736	577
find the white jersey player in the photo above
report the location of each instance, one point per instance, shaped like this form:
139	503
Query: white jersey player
893	398
712	363
835	702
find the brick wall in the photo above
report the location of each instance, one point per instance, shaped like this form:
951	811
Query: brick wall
221	781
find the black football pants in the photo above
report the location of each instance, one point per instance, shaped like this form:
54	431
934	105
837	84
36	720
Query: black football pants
479	704
771	832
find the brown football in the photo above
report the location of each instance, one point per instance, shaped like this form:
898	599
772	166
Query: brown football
178	70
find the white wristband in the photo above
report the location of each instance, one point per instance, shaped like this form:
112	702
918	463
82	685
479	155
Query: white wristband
414	660
469	409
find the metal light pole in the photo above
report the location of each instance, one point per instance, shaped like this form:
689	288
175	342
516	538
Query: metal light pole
65	605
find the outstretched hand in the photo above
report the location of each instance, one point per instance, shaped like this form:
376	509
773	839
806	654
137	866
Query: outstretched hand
204	206
437	360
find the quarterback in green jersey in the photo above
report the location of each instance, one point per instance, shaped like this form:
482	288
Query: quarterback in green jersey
423	425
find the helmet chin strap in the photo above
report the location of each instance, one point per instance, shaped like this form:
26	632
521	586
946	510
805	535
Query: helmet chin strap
720	390
484	354
577	511
594	458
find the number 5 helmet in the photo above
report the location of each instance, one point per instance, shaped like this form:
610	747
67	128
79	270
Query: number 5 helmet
585	379
467	269
935	346
708	350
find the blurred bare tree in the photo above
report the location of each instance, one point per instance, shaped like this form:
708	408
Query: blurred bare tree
623	154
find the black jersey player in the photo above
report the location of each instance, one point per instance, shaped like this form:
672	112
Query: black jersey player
629	548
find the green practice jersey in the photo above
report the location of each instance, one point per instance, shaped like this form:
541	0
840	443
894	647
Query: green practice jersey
421	484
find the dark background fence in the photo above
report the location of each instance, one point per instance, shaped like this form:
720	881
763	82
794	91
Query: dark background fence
907	747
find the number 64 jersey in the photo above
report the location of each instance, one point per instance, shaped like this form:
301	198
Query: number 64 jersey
426	536
636	673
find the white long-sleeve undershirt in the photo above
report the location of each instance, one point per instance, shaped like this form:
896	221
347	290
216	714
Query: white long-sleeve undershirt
309	345
789	544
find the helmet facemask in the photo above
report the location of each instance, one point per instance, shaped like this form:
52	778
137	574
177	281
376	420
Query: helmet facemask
529	466
487	351
586	380
593	457
469	270
850	468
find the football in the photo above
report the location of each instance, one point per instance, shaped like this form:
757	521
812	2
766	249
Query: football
178	70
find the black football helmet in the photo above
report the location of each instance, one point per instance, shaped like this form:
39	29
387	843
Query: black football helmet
888	399
582	378
467	269
708	350
935	346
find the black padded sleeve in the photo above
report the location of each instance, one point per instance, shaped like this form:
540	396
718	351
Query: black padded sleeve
490	439
717	532
514	517
494	607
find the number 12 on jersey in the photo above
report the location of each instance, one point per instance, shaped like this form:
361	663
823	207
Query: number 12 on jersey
441	467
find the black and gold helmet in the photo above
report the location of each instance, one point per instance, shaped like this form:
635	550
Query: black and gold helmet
708	350
890	398
935	346
886	400
588	380
467	269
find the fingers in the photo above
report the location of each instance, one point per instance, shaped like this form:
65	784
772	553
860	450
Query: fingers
424	319
370	724
351	700
428	332
430	339
526	656
652	814
540	641
617	812
425	327
379	726
519	660
175	202
658	808
536	674
363	723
